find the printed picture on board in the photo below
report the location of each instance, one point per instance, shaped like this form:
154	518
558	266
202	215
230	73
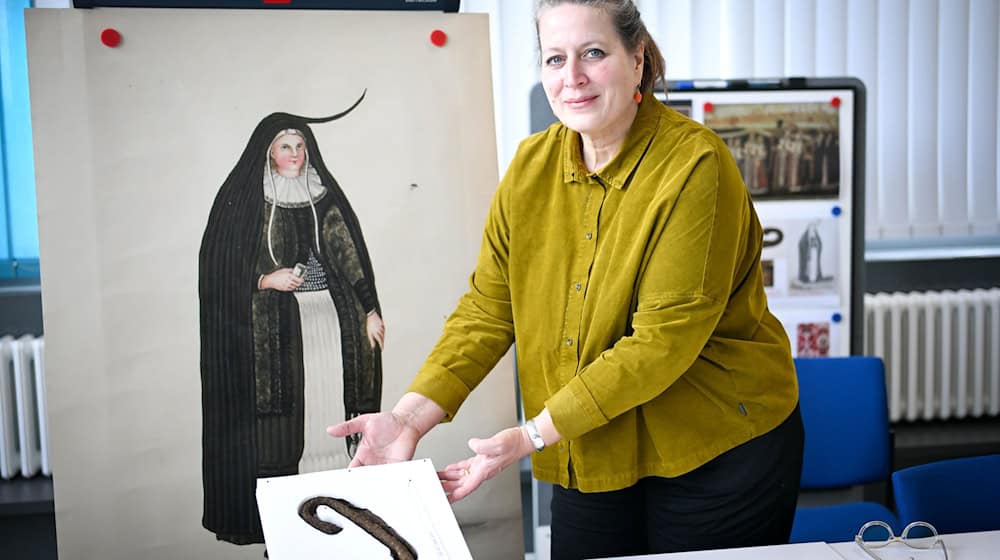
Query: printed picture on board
291	326
812	331
804	256
812	340
809	274
767	269
784	150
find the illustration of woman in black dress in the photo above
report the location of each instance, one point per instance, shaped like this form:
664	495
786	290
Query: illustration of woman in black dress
291	327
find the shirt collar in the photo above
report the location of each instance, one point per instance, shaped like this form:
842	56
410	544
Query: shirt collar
617	171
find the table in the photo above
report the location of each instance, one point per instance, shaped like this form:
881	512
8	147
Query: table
961	546
801	551
983	545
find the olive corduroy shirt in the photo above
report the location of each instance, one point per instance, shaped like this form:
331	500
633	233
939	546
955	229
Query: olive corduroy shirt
637	300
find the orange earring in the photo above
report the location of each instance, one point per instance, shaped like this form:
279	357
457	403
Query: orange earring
637	95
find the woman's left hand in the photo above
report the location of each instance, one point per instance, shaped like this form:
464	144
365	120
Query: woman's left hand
491	456
376	330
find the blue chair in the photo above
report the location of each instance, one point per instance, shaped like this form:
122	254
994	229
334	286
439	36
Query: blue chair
955	495
847	443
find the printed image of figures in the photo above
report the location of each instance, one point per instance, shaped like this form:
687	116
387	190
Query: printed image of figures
784	150
291	327
803	257
810	247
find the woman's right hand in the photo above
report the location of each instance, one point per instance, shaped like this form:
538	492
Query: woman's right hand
385	438
283	280
391	437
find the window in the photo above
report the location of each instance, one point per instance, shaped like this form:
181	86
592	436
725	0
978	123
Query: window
18	216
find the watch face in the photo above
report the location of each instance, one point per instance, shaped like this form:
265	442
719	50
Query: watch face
534	435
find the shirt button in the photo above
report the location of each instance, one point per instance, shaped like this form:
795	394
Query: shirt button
589	236
569	342
578	286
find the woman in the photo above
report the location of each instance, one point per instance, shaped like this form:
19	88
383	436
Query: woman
622	254
291	324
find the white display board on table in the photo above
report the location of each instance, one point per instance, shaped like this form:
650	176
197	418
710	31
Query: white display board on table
384	511
797	145
133	138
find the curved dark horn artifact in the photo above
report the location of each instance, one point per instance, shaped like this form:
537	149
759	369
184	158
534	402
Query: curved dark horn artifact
371	523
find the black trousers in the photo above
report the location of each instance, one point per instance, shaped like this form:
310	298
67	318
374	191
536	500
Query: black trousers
744	497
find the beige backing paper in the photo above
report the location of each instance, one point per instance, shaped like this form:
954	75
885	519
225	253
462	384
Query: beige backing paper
131	146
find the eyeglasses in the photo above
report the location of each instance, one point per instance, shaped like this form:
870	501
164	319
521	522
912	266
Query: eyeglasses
918	535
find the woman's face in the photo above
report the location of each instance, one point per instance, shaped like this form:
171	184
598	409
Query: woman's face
588	75
288	152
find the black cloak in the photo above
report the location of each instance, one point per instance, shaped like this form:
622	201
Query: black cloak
233	440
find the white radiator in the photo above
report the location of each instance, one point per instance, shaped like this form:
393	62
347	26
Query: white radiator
941	352
23	430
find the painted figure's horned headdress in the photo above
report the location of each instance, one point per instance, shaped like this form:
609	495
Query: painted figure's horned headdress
305	171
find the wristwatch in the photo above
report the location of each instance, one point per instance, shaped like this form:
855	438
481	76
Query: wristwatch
534	435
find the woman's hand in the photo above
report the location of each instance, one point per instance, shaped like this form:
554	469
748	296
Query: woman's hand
283	280
491	456
376	330
391	437
385	438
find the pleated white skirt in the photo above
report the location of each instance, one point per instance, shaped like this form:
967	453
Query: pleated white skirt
324	382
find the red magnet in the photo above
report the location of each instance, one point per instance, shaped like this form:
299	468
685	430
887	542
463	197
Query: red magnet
439	38
835	102
709	107
111	38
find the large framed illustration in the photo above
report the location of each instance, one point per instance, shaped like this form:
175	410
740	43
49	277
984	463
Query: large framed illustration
799	144
249	235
